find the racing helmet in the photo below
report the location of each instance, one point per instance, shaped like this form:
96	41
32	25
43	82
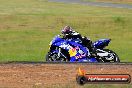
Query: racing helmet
66	30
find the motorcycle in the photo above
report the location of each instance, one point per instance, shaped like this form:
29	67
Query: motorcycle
71	50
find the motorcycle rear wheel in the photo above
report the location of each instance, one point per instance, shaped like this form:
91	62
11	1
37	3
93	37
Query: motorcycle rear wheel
114	55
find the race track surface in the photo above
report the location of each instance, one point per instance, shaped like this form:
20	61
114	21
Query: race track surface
101	4
43	75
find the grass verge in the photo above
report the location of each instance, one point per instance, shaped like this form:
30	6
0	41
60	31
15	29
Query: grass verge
27	27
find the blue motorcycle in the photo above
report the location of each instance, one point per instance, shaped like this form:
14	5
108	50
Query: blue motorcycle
71	50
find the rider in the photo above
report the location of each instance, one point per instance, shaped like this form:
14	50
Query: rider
68	33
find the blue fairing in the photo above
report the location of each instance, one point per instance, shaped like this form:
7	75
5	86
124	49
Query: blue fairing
81	52
102	43
56	39
65	44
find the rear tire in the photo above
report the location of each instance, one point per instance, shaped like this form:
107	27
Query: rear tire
115	56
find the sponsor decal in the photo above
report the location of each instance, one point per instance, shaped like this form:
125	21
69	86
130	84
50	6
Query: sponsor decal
77	52
72	52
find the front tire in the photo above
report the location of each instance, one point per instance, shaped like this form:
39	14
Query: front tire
47	57
53	57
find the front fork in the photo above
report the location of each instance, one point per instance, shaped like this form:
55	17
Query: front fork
59	53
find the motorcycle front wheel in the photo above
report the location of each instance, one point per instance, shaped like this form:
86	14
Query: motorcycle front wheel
53	57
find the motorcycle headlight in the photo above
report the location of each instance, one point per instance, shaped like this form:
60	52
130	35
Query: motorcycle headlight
49	46
50	43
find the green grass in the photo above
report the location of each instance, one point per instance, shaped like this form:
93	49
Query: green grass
27	27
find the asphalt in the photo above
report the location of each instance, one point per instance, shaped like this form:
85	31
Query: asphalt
100	4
